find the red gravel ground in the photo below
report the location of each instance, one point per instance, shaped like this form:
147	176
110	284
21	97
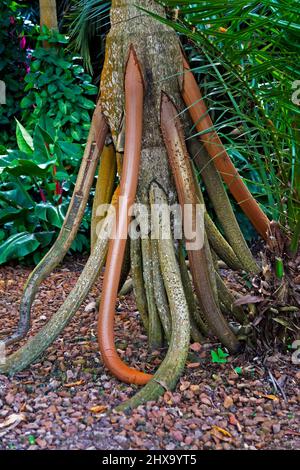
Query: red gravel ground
52	405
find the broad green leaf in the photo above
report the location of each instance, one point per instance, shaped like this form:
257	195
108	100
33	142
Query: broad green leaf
24	139
18	246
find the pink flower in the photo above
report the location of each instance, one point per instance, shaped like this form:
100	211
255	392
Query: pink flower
27	69
23	43
11	20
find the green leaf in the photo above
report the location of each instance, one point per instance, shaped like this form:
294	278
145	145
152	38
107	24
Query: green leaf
24	139
18	246
42	140
9	213
279	269
45	238
63	107
26	103
49	213
218	356
19	164
31	439
222	354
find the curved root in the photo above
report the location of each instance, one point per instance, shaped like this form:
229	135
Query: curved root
222	207
184	181
71	224
104	188
215	149
170	369
35	346
134	96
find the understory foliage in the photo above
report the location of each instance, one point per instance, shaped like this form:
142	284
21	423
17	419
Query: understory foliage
37	179
245	56
236	49
15	31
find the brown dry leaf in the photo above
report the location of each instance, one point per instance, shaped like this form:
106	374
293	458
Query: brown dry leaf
291	431
248	299
74	384
270	397
196	347
193	365
23	407
184	386
13	419
221	430
228	402
234	422
98	409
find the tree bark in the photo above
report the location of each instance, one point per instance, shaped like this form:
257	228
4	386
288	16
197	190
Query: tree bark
48	14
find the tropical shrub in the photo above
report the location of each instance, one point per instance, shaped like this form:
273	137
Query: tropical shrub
36	185
245	56
37	180
58	87
16	34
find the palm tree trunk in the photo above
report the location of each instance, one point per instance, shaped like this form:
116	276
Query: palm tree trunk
48	14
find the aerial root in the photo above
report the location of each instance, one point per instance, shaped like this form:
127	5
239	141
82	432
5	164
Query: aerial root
104	188
154	330
227	300
160	292
36	345
198	258
95	143
138	282
198	327
218	243
125	266
171	368
222	207
134	97
217	153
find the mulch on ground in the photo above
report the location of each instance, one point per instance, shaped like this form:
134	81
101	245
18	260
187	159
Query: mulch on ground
63	400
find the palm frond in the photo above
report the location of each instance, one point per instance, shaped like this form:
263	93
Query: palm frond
245	56
88	21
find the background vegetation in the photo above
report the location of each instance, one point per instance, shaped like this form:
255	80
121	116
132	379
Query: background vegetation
245	56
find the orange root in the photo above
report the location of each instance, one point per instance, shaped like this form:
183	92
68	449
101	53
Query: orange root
199	114
134	94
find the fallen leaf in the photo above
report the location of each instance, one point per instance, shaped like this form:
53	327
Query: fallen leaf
13	420
292	432
184	386
23	407
228	402
90	307
234	422
193	365
74	384
248	299
270	397
195	347
222	431
98	409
